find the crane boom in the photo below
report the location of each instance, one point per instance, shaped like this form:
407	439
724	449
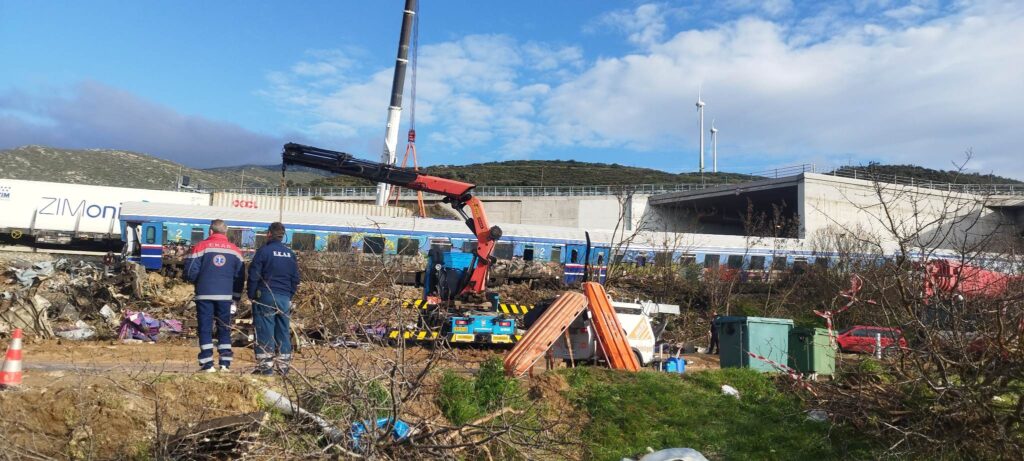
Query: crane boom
456	193
389	156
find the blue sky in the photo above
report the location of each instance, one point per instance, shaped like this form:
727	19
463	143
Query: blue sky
221	83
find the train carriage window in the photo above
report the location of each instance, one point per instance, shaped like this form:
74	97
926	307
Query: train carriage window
735	261
662	258
441	244
799	265
778	263
556	254
469	247
688	259
618	257
373	245
528	253
150	235
503	250
303	241
711	261
337	243
260	240
197	235
164	242
821	262
600	259
408	246
574	256
235	236
756	263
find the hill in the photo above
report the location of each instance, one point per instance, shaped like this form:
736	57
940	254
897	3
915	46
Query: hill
108	167
548	173
925	174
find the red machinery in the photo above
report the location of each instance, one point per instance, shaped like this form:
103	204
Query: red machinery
456	193
945	276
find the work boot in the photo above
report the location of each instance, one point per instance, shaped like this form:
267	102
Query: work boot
225	369
210	369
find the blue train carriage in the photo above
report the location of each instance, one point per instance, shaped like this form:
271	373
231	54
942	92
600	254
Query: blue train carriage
158	234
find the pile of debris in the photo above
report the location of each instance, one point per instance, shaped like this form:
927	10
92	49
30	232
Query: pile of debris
79	299
518	270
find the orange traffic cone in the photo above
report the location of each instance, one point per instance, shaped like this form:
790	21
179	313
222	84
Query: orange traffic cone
11	374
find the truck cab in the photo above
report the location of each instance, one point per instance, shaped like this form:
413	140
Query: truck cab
638	323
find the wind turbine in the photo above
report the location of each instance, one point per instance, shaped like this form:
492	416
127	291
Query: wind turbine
700	109
714	145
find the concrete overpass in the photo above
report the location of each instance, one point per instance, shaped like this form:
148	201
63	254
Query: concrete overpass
809	205
798	205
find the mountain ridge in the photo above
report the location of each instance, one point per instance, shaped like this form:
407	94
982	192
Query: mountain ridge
108	167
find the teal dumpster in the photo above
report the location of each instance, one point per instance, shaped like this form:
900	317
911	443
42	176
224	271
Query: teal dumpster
811	351
766	337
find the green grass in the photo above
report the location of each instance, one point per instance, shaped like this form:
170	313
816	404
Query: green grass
463	400
630	412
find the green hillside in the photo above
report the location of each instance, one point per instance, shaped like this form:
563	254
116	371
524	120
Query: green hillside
108	167
924	174
117	168
549	173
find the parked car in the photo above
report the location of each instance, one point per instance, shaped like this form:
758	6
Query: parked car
861	338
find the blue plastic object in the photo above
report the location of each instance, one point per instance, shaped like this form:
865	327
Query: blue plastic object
399	429
675	365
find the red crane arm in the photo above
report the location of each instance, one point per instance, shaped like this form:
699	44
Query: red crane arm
457	193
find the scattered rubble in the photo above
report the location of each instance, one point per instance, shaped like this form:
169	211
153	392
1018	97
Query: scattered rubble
85	300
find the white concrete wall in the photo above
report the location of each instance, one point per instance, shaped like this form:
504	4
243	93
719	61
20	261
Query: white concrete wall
929	218
596	213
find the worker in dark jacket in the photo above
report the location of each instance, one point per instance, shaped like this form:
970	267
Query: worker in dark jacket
273	279
215	267
713	346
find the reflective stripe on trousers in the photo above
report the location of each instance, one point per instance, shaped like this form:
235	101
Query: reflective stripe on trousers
210	314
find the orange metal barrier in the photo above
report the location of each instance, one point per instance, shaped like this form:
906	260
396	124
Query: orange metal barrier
609	332
544	332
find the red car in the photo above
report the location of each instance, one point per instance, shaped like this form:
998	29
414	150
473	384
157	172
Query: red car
861	338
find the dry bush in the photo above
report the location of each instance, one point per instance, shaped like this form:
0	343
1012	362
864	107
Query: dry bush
397	382
955	391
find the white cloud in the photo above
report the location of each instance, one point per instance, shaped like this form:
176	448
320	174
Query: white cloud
94	115
472	92
917	93
848	79
644	25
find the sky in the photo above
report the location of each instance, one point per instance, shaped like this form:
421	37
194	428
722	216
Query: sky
934	83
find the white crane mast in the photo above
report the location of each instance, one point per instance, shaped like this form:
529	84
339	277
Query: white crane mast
389	156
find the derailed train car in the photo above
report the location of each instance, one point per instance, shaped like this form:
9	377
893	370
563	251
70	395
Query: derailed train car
152	230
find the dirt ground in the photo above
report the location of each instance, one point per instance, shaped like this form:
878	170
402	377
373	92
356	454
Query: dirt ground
100	399
110	399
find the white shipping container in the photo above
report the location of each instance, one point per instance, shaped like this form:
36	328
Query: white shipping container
304	205
50	208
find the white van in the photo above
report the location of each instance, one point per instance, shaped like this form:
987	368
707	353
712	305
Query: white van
636	320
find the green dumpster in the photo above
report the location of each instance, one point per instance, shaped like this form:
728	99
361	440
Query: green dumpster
765	337
811	351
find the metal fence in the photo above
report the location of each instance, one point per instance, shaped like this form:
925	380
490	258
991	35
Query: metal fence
979	189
